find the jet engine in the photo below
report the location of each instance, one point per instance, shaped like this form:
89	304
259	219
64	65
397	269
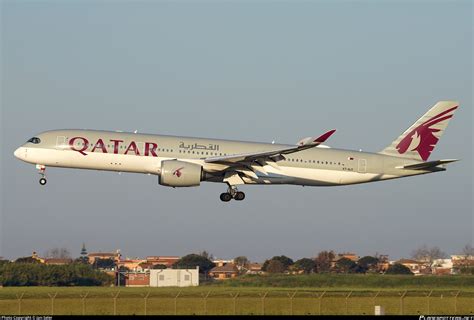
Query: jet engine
175	173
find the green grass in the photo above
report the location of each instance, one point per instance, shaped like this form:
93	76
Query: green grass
354	281
312	294
224	300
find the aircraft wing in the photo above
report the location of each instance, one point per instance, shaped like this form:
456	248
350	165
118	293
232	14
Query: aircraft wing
426	165
273	155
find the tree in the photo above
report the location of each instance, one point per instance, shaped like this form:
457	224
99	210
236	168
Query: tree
120	279
241	262
191	261
426	254
345	265
368	263
305	264
323	261
38	274
207	255
158	266
398	268
468	250
275	266
58	253
286	262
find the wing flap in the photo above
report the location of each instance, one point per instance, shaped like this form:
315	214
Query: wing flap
273	155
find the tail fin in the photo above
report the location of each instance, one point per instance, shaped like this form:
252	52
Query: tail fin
418	141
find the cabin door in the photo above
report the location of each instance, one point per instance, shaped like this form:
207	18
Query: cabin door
362	166
61	143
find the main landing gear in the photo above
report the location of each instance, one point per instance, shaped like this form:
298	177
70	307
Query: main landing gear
232	193
42	170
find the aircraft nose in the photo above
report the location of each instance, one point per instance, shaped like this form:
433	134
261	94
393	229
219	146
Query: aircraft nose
18	153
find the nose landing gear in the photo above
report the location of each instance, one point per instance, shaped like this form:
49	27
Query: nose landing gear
232	193
42	170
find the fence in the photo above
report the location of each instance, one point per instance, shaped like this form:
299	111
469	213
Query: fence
273	302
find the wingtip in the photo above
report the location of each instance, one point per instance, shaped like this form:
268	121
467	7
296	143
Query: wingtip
325	136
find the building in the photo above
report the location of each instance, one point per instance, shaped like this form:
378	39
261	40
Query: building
174	277
167	261
255	268
442	266
137	279
348	255
416	267
221	262
461	261
104	255
227	271
132	264
148	263
57	261
35	256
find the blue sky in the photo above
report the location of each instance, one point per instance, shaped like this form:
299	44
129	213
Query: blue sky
251	70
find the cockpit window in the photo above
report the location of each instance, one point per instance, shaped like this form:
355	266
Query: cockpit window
35	140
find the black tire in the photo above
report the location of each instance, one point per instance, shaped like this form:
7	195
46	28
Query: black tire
42	181
239	196
225	197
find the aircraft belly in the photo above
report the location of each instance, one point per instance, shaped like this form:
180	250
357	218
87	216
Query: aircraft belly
299	176
315	177
94	161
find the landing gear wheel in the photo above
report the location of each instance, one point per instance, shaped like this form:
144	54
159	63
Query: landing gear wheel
239	196
226	197
42	181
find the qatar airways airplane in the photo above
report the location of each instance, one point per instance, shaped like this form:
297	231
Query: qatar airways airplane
186	161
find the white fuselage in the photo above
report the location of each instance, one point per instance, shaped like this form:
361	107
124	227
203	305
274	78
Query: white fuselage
140	153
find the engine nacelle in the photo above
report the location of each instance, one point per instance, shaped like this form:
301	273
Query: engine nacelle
175	173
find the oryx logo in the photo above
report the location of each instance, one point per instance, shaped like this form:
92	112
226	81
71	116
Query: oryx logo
178	172
423	139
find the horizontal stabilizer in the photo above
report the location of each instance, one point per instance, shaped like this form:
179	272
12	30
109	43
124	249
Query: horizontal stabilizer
426	165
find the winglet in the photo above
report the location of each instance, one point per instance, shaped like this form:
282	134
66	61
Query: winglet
325	136
316	141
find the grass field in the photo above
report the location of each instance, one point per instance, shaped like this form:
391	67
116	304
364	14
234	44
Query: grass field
227	301
353	281
287	295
